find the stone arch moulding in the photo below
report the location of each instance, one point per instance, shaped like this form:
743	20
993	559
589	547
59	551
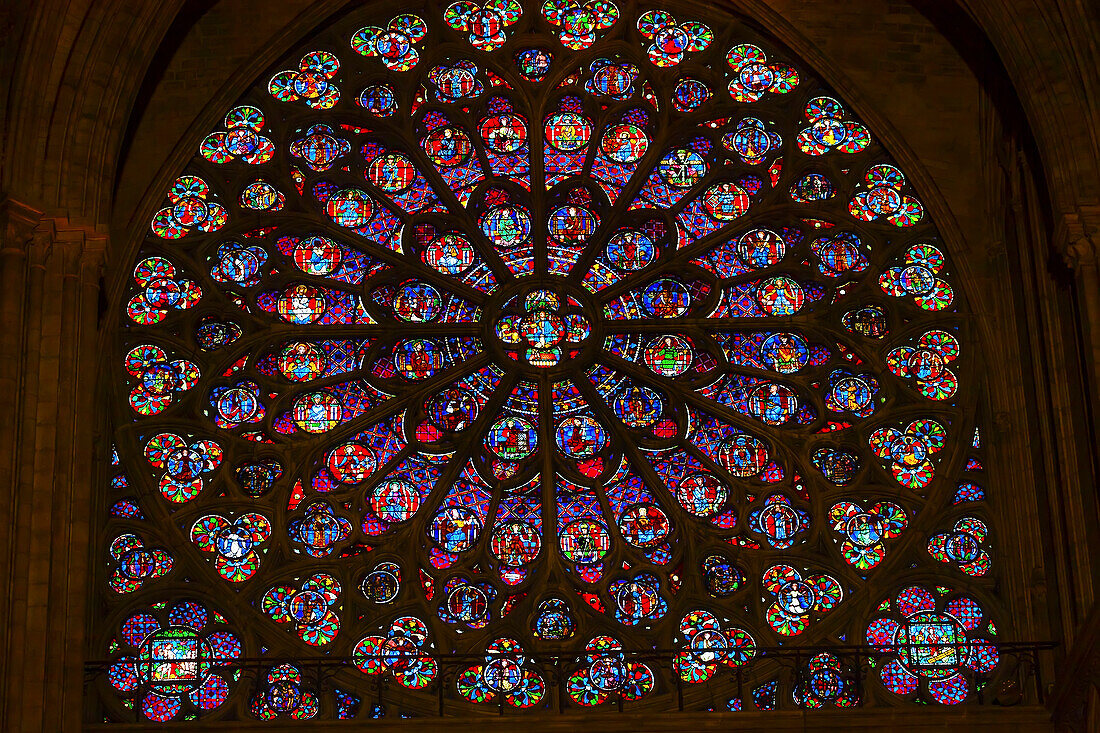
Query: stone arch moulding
168	400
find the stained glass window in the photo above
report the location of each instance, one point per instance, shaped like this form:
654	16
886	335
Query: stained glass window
584	332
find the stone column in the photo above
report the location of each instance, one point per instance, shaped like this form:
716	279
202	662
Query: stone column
1079	241
1077	237
17	224
48	361
1076	705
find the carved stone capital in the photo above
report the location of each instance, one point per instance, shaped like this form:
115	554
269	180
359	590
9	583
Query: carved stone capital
1077	237
75	251
93	258
17	224
1080	252
41	246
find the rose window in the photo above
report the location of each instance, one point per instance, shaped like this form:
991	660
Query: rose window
569	319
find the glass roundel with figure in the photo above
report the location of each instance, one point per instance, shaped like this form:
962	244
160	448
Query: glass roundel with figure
548	324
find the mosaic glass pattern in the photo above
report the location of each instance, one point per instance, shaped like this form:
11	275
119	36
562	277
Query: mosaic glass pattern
514	329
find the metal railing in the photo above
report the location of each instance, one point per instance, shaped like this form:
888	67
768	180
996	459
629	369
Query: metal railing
1016	679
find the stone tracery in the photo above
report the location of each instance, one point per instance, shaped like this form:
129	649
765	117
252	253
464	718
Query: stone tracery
548	378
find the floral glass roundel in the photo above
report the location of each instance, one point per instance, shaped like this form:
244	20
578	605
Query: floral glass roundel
507	327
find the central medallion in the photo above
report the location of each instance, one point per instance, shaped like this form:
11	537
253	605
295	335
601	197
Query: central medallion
543	328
